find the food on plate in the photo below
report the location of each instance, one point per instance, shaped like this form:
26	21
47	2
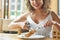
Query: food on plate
31	32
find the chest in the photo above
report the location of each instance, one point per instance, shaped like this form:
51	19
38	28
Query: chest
38	18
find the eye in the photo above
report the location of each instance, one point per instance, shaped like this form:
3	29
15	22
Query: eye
32	0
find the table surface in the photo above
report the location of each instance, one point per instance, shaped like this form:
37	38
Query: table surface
5	36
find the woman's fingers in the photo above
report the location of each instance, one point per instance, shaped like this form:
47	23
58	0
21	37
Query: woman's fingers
48	23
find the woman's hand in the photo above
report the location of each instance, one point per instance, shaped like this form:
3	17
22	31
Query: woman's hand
48	23
26	26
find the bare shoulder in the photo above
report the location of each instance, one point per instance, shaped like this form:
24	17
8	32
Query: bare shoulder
22	17
54	15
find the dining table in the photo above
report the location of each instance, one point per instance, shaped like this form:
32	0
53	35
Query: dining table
8	36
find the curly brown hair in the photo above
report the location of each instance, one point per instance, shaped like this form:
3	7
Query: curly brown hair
45	5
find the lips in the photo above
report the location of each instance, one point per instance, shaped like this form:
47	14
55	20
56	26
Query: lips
36	5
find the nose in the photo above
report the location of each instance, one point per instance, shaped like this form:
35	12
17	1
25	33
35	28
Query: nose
35	1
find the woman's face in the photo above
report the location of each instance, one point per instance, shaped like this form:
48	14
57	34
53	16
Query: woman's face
36	4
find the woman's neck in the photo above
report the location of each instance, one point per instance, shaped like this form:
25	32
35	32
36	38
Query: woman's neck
38	11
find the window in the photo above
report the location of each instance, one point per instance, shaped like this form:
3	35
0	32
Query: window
18	7
7	1
59	8
12	15
12	1
15	9
12	12
18	13
12	7
19	1
18	4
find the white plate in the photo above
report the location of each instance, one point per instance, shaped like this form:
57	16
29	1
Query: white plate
31	37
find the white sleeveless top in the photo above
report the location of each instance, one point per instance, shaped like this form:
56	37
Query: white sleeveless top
40	29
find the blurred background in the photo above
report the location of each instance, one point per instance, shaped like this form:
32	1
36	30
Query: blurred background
10	9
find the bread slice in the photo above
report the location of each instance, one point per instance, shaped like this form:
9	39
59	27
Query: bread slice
31	32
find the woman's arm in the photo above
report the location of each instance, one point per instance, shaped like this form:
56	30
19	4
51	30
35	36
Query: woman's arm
18	22
56	19
57	25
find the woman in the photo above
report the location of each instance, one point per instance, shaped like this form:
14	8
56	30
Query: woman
39	18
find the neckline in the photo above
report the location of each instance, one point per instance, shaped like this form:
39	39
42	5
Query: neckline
40	21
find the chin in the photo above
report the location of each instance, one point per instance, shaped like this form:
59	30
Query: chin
37	7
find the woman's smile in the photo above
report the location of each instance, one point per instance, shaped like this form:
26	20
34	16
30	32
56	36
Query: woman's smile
36	4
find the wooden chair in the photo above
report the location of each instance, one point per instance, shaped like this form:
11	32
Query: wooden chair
56	33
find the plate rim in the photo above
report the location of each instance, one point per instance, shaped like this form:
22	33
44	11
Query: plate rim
30	38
